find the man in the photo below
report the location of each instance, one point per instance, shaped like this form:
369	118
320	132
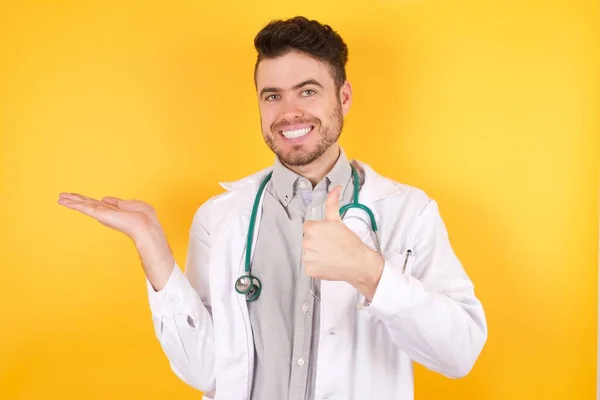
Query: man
342	313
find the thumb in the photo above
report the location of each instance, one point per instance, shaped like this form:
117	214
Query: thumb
332	210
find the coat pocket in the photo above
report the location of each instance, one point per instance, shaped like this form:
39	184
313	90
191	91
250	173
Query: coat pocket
404	260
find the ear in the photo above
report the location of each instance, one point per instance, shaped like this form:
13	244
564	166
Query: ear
346	97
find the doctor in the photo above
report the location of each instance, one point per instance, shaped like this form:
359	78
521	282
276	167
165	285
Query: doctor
337	312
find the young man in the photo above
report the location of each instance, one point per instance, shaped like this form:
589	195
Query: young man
336	312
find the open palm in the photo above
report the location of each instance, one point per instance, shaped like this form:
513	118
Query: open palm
128	216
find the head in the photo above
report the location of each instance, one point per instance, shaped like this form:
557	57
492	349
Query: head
303	94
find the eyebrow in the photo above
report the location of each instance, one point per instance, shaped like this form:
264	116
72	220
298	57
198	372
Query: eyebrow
298	86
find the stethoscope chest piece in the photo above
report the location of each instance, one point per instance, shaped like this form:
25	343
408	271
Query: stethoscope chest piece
249	285
243	283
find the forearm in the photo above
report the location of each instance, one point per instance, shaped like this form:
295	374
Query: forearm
443	332
156	256
184	328
181	302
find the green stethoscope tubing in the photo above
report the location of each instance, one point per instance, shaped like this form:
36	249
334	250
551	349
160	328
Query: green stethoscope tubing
250	285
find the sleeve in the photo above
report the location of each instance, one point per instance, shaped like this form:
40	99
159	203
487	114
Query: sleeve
181	312
436	319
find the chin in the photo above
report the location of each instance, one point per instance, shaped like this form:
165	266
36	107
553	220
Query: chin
299	157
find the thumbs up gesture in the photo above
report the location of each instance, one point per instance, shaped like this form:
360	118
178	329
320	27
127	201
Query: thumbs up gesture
331	251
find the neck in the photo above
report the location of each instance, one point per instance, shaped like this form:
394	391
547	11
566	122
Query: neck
316	171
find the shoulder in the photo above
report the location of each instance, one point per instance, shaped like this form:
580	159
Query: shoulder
236	196
392	193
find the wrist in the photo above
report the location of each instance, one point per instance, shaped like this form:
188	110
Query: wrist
156	257
369	269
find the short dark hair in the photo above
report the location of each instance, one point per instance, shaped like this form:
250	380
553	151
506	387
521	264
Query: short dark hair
306	36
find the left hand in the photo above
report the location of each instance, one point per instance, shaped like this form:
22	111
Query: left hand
331	251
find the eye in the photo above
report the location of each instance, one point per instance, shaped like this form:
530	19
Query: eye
272	97
308	92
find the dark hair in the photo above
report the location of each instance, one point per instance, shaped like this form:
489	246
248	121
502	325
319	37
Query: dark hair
307	36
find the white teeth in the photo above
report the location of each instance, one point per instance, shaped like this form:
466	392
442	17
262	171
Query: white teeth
297	133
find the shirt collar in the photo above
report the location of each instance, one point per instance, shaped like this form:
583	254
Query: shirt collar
340	173
286	182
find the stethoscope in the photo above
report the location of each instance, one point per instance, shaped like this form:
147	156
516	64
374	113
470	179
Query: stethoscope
251	286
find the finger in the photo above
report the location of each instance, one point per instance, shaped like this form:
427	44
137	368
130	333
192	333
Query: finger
84	208
307	243
311	265
111	200
85	197
88	205
307	227
307	256
85	200
78	197
332	209
72	196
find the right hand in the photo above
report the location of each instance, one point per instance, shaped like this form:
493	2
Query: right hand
135	219
131	217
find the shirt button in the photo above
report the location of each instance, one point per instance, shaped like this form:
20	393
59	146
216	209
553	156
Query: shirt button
300	361
305	308
302	185
173	299
314	211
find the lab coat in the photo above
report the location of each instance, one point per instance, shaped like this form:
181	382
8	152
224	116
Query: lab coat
424	309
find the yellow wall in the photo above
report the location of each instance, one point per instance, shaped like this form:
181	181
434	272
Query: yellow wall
490	106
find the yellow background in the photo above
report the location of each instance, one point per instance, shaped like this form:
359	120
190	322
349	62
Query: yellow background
490	106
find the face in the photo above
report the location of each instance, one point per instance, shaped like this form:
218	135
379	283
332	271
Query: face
301	111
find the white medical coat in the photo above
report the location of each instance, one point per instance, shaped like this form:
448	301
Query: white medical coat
424	309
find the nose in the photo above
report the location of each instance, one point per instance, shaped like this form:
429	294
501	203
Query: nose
290	108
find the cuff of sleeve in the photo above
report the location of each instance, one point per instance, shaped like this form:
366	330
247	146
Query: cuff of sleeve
176	296
392	294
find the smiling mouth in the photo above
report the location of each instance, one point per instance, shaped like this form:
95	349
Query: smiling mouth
297	133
